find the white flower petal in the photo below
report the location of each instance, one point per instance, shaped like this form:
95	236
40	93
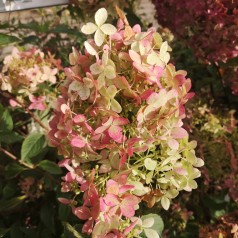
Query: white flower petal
89	28
84	92
99	37
90	49
108	29
101	16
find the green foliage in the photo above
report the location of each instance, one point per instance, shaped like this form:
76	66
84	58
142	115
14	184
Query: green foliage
7	39
50	167
32	146
6	123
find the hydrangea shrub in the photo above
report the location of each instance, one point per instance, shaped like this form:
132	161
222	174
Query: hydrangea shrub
209	27
119	126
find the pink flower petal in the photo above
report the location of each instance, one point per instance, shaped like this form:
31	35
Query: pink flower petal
115	132
77	142
88	227
79	118
119	121
112	187
179	133
82	212
125	188
111	200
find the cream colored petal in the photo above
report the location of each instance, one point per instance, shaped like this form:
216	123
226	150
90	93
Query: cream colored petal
101	80
108	29
90	49
110	72
112	91
99	37
89	28
101	16
115	106
96	69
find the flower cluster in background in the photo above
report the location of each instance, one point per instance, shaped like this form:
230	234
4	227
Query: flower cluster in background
210	27
29	75
119	126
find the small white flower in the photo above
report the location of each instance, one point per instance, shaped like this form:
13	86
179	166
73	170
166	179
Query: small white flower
99	28
49	74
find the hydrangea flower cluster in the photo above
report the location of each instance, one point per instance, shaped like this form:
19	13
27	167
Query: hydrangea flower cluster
118	125
29	76
210	27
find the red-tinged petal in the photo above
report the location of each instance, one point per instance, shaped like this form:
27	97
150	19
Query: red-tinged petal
123	160
77	142
111	200
104	126
125	188
95	211
119	121
130	200
146	94
179	133
112	187
61	134
88	227
79	118
103	205
70	177
65	201
180	79
115	132
82	212
122	83
121	178
127	211
189	95
84	186
54	122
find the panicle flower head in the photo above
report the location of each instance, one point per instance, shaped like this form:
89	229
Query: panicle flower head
28	75
118	124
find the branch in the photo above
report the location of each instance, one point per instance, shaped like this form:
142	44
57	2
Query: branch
15	158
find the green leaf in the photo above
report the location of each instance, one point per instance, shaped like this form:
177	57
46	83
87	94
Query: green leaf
64	212
10	137
13	169
10	189
47	216
6	205
3	231
50	167
6	39
32	146
6	123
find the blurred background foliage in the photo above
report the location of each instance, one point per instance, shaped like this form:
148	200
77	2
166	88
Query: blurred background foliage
30	178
